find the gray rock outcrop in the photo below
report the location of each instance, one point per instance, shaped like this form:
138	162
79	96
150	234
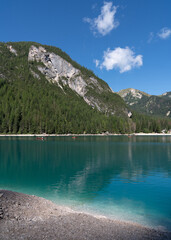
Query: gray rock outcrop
12	50
58	70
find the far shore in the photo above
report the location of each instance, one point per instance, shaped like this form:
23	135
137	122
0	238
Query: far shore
84	135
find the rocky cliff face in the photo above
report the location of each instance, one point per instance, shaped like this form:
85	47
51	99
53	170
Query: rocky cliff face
55	68
12	50
42	61
58	70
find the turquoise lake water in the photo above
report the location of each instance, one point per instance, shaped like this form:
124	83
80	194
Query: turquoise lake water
125	178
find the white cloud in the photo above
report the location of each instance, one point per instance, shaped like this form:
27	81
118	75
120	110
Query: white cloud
150	38
97	62
123	59
164	33
94	6
105	22
88	20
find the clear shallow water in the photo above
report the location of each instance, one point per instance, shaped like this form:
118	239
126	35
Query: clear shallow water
118	177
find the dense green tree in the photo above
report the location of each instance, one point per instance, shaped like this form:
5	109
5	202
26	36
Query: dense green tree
31	105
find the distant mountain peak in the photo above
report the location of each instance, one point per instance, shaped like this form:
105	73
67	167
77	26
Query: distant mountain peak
146	103
134	92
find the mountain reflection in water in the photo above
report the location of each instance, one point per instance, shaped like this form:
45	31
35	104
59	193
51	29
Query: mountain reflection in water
111	175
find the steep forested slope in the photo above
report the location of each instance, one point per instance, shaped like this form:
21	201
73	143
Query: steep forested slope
43	90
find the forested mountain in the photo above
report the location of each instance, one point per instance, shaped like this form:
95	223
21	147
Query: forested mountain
166	95
148	104
42	90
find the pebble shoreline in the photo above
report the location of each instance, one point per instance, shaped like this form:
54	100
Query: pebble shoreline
29	217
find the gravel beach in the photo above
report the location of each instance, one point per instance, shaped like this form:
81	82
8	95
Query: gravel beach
29	217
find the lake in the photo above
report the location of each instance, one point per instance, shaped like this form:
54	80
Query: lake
121	177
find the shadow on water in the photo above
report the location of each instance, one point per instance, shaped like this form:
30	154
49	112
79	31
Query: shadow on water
118	173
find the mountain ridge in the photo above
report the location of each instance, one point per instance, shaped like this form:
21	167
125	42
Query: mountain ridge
167	94
145	103
86	79
42	90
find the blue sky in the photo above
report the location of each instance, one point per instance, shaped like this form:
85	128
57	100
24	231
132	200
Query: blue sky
127	43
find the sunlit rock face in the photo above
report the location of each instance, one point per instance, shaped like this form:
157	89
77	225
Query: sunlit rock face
58	70
55	68
12	50
135	93
168	113
167	94
130	114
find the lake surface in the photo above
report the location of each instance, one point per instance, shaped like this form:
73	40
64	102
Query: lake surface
125	178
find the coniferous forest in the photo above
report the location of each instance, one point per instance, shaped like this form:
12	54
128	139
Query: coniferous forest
31	105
